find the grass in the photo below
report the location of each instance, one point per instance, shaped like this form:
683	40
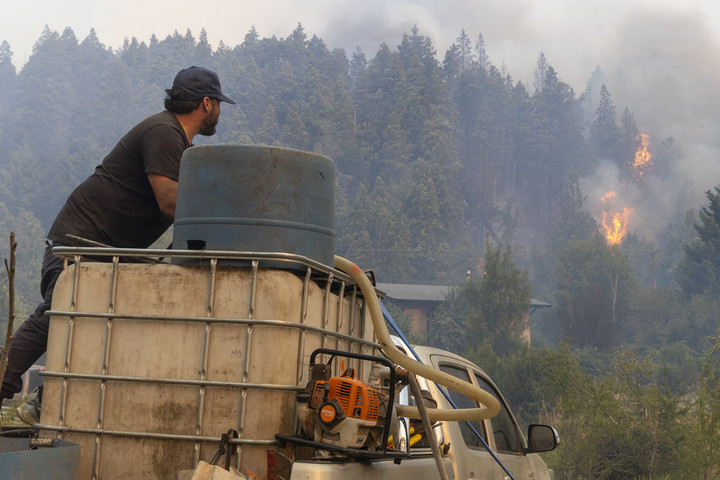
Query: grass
9	417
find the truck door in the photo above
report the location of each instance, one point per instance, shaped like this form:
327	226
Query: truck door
506	437
501	433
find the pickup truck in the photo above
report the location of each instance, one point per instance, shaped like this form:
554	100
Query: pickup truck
148	364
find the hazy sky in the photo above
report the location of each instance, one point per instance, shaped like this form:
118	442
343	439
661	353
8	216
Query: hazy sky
661	58
575	35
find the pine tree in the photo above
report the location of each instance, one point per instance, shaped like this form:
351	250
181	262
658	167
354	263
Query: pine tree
251	37
699	270
465	50
269	131
541	68
492	309
294	133
7	76
356	233
480	53
573	222
422	208
552	147
504	300
629	142
604	132
358	65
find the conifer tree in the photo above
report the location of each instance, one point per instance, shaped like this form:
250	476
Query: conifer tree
699	270
504	300
604	131
422	208
7	76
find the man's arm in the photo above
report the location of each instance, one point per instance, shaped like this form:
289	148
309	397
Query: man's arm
165	190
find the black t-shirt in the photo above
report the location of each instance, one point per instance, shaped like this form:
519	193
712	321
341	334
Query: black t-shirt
116	204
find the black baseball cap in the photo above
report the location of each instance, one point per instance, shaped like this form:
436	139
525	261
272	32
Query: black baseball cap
200	82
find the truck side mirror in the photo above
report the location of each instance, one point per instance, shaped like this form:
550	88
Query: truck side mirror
542	438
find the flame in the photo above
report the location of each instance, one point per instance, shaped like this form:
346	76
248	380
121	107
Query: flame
643	159
615	223
608	197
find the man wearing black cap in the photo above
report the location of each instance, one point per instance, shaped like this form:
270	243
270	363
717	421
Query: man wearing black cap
128	202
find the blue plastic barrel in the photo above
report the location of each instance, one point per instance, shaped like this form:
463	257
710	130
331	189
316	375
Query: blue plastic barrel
256	199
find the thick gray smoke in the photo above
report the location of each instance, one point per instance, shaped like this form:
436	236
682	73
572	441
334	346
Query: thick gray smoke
665	68
668	74
661	60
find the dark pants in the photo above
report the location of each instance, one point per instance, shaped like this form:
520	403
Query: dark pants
30	340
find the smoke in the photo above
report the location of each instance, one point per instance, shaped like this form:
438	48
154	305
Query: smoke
655	202
664	68
661	60
668	75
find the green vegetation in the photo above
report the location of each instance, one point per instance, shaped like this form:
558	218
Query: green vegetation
630	422
486	310
700	268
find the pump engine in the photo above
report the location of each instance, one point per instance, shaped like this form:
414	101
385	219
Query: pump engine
346	412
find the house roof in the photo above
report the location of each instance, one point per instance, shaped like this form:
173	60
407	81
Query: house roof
406	291
430	293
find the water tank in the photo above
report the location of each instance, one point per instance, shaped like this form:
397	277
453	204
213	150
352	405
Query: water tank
256	199
149	389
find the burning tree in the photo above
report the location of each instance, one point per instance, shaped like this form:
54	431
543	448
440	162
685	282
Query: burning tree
615	223
643	159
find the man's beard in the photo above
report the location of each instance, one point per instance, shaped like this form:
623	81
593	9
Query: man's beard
208	126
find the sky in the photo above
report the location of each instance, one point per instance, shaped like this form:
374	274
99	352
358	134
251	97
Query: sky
661	58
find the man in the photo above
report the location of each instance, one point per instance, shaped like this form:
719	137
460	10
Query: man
128	202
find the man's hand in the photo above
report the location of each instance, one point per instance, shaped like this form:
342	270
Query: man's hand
165	193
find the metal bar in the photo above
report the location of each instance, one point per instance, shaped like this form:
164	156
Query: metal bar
63	251
301	324
326	310
353	320
280	323
204	362
93	243
340	310
105	366
365	314
246	373
172	381
162	436
427	425
69	343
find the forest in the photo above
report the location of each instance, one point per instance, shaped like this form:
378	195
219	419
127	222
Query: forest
449	172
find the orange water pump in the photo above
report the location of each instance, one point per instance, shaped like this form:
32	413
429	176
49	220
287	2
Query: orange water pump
344	411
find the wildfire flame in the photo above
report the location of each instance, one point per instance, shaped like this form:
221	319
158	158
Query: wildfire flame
614	223
643	159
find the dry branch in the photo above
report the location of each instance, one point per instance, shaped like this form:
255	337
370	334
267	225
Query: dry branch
11	304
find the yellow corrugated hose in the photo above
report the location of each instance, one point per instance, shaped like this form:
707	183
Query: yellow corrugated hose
490	404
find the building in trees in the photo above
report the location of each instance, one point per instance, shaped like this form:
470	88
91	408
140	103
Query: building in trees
419	302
